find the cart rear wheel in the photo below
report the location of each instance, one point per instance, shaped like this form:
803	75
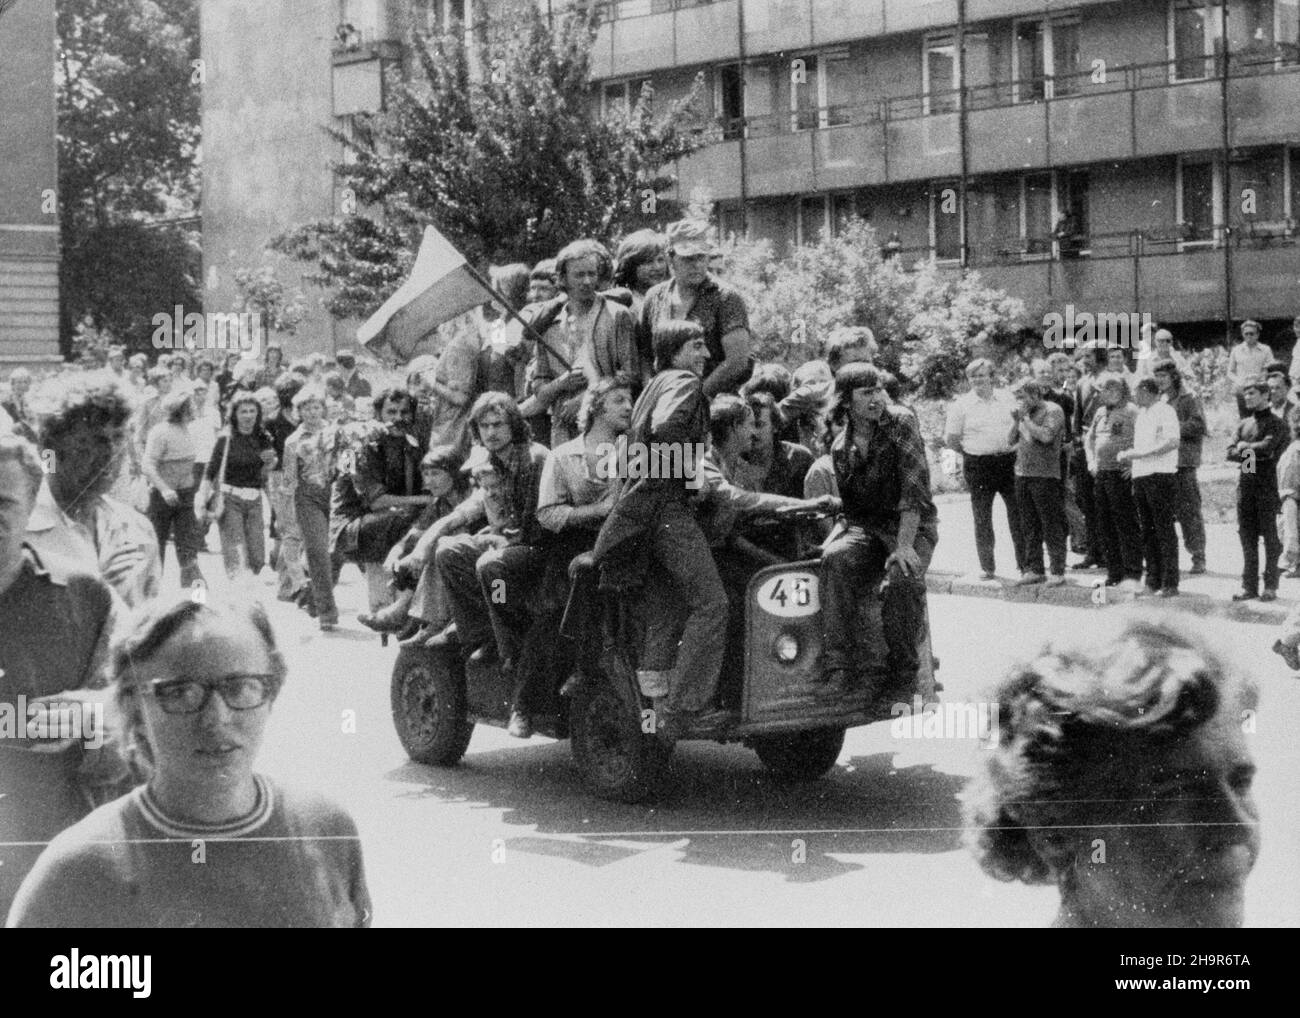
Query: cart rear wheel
428	701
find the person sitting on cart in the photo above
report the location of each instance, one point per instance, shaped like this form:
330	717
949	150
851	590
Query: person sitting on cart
724	510
490	575
890	534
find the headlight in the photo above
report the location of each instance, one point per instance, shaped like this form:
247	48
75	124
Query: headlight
786	648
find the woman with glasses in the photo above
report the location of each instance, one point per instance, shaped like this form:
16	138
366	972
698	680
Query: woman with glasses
206	841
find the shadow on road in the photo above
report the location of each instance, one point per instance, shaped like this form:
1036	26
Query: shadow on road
718	807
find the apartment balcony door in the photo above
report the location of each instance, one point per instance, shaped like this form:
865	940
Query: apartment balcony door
1045	59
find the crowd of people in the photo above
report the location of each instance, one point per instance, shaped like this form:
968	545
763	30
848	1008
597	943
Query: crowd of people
472	496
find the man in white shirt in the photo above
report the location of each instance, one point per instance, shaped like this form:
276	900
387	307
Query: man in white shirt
1154	459
977	427
1248	360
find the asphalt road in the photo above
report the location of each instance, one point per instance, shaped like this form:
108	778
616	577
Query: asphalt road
510	837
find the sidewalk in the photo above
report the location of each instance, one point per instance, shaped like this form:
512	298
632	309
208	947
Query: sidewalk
955	570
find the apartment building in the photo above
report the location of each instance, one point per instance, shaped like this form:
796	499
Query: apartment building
1136	155
1141	155
29	230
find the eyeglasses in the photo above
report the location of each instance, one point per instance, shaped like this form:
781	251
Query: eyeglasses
189	696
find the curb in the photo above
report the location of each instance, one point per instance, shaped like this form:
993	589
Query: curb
1072	595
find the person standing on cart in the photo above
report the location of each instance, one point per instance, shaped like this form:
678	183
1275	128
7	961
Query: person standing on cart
888	537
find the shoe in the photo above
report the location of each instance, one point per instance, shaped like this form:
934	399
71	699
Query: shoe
1245	595
444	640
327	624
1268	595
1055	580
1130	587
988	575
1167	592
1198	569
1029	579
390	619
521	725
1087	563
420	638
1289	654
1292	574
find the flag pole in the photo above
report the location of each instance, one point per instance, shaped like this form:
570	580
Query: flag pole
528	329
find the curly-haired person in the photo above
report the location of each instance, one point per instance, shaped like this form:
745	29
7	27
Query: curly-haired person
1122	776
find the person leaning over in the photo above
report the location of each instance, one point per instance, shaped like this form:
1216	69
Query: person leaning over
977	427
1153	458
1191	432
1258	444
1038	430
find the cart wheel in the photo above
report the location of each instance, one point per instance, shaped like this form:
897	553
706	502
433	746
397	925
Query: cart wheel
800	756
616	759
428	701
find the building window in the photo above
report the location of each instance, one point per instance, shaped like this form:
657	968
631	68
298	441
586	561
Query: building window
729	100
812	219
945	220
820	89
759	100
619	97
1036	219
1072	230
1261	34
1257	188
1045	59
1197	193
939	72
846	207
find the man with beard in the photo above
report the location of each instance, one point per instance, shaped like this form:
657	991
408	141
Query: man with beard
84	423
490	576
378	492
890	536
56	620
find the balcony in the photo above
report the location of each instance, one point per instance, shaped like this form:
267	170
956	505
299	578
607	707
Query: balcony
636	36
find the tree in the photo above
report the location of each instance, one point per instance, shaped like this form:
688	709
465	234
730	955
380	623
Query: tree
498	143
928	323
128	133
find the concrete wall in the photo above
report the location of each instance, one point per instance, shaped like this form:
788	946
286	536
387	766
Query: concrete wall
29	238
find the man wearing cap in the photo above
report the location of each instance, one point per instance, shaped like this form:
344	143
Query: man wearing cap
353	383
1247	361
1192	430
693	295
1261	437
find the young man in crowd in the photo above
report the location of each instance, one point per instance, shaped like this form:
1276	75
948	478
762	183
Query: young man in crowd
1288	490
1256	448
1087	400
1280	400
1110	433
354	383
977	427
1246	362
1038	431
1191	431
1153	459
596	336
490	576
890	535
693	295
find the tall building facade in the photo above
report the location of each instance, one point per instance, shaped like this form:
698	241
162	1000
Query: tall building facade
29	222
1142	155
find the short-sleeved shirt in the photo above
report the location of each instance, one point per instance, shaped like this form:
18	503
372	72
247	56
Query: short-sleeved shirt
1042	459
1245	363
1155	425
981	426
717	309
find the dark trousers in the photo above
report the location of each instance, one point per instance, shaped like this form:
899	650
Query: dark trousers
987	476
178	520
1155	495
1042	519
457	559
1117	521
1257	509
1085	497
1188	512
853	566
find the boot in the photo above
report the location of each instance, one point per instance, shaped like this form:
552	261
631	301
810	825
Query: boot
390	619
